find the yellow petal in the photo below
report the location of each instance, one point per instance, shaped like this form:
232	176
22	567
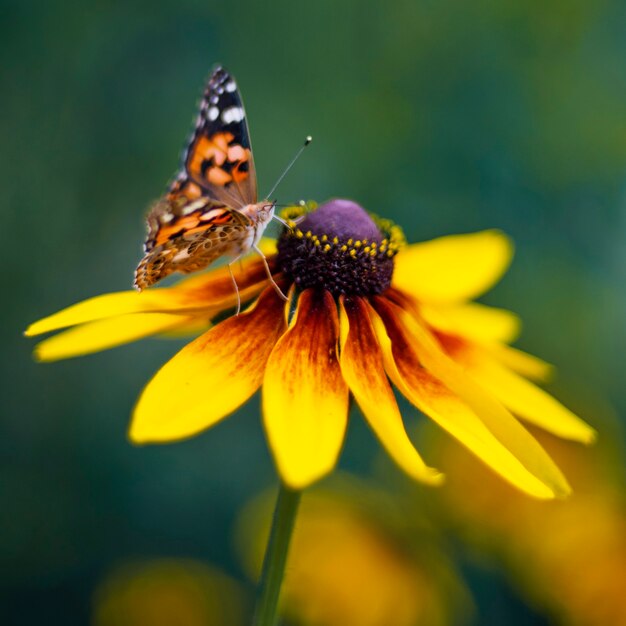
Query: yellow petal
107	333
363	370
454	268
108	305
523	363
210	377
305	399
440	388
216	285
477	321
523	397
213	291
193	328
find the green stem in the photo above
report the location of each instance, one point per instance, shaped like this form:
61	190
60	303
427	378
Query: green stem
287	502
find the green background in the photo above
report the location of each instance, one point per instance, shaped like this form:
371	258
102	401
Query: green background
447	117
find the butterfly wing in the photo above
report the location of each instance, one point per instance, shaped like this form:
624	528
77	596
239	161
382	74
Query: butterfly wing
218	161
188	235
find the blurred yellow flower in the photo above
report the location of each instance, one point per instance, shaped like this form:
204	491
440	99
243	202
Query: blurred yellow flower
358	315
164	592
568	559
349	563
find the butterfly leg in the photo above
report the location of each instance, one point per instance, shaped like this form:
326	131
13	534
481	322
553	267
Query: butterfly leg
288	224
232	277
285	223
269	274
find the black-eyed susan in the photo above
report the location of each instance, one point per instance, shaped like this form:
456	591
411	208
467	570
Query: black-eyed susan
540	546
363	310
165	591
355	560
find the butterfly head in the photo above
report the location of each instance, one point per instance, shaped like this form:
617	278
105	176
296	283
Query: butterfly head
260	214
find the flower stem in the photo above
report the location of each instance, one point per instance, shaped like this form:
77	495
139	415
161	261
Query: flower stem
287	502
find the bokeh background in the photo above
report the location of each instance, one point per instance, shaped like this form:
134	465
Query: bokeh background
447	117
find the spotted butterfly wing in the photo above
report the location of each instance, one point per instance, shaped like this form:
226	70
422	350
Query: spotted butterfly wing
218	161
186	236
209	210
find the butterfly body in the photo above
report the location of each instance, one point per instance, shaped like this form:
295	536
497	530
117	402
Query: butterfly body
211	209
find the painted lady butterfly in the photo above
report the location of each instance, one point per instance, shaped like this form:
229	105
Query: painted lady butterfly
211	208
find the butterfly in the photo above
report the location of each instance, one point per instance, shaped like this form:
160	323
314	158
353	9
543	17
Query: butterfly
211	209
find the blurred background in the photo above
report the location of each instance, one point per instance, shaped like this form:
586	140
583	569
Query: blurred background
447	117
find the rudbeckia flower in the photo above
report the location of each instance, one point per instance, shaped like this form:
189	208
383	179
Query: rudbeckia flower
152	592
541	546
365	311
355	560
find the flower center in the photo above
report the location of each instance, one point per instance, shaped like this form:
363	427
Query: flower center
339	247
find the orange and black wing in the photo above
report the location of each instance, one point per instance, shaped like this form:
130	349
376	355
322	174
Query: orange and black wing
218	161
186	236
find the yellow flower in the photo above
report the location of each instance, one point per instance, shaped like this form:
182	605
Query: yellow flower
166	591
361	313
568	559
352	561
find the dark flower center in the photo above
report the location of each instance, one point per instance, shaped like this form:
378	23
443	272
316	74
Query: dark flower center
339	247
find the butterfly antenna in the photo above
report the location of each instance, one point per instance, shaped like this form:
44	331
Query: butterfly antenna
307	141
